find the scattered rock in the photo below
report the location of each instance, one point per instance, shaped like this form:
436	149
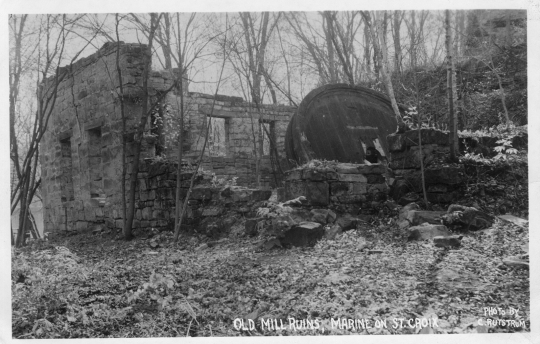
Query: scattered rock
154	244
98	229
374	251
281	224
404	212
418	217
300	215
467	218
448	241
332	231
427	232
304	234
409	198
270	244
347	222
323	216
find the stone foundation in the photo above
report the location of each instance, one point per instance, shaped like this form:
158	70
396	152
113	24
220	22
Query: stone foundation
344	187
442	180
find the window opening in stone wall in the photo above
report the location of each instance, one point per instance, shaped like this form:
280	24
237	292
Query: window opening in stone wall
265	141
218	136
156	128
66	183
95	163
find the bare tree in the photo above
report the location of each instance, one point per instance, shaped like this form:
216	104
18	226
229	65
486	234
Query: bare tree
451	87
42	61
377	37
396	25
145	112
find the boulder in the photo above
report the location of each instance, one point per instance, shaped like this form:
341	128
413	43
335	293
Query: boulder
467	218
304	234
410	197
281	224
448	241
300	215
323	216
427	232
404	213
417	217
270	244
331	232
347	222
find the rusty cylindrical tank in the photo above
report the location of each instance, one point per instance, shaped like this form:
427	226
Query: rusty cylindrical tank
339	122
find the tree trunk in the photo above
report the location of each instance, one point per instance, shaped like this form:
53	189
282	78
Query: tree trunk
123	133
367	54
397	41
376	30
412	35
330	48
450	73
154	21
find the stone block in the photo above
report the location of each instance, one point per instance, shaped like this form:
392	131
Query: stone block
399	142
146	213
372	169
347	168
411	157
352	178
323	216
318	193
376	188
314	175
304	234
293	175
375	178
201	193
261	195
294	189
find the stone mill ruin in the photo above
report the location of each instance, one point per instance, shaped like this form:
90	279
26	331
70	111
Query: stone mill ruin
339	150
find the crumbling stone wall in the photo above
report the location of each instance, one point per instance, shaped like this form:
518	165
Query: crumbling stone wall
442	180
81	151
344	187
241	129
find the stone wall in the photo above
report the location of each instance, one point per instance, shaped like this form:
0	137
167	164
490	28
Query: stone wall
442	179
241	128
344	187
81	151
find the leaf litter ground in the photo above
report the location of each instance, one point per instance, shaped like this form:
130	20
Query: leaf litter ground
92	286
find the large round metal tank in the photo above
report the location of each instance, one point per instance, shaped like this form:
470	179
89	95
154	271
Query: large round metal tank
338	122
